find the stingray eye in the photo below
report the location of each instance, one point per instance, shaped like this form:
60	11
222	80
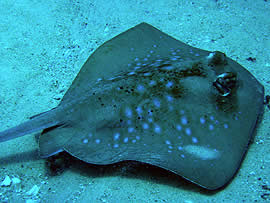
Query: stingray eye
217	58
225	83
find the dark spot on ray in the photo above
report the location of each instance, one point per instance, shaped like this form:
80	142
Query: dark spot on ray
177	92
164	65
226	104
147	97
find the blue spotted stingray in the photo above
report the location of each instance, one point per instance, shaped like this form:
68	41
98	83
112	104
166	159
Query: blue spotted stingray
148	97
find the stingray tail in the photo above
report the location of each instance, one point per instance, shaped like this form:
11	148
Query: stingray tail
38	122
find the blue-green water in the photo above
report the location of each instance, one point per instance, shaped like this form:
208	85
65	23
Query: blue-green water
43	45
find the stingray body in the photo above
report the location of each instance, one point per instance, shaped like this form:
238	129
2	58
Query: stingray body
148	97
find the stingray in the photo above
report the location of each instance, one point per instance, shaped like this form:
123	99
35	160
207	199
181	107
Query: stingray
147	97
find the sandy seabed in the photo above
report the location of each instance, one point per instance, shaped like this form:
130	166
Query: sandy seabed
43	45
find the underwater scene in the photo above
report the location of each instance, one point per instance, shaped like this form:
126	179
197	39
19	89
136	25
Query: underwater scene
138	101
